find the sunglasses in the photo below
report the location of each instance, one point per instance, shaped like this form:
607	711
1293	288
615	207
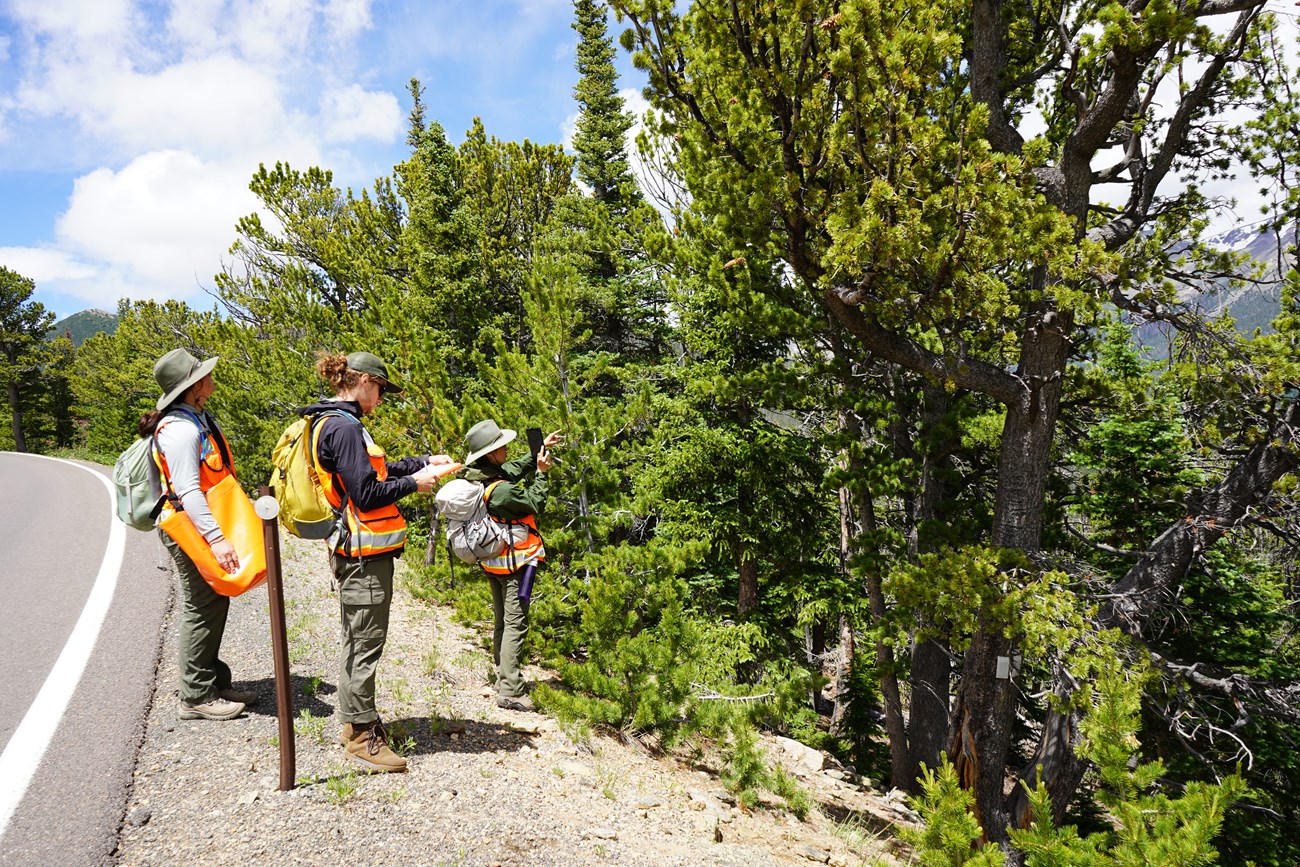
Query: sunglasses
384	386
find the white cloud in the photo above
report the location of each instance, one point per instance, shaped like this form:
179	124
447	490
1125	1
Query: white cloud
347	18
43	264
171	118
211	106
353	113
81	19
272	32
196	24
157	221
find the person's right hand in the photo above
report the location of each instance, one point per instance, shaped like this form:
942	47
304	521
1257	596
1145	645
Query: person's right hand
426	482
226	557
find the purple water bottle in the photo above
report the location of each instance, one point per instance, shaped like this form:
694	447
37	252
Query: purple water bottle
526	582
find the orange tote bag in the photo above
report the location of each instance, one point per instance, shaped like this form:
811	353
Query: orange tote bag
239	524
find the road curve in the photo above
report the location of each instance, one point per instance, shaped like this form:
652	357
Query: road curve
56	534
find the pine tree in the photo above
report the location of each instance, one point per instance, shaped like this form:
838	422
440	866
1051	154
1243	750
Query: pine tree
601	136
23	327
879	151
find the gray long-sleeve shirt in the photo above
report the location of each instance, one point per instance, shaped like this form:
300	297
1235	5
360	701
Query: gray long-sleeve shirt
181	443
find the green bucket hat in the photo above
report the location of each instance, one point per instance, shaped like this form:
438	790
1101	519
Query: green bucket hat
369	363
177	371
485	437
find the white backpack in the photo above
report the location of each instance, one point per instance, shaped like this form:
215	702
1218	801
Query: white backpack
139	489
472	534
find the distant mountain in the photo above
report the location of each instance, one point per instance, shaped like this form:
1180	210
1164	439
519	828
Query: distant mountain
1252	306
85	324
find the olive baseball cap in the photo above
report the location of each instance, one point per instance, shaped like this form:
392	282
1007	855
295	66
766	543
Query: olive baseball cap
371	364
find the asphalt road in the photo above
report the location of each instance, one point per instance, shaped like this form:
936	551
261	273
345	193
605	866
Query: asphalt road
80	639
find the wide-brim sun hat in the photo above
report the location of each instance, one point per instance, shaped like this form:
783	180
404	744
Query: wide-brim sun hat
372	365
177	371
484	438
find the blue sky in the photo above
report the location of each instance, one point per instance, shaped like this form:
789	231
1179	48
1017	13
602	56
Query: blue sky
129	130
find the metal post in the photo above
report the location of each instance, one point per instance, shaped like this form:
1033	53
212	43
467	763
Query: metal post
268	510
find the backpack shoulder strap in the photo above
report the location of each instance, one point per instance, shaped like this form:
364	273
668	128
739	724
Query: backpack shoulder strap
155	454
312	447
487	500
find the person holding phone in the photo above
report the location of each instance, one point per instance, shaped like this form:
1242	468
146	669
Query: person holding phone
363	486
516	493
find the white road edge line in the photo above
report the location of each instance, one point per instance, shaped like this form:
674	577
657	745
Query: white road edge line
27	746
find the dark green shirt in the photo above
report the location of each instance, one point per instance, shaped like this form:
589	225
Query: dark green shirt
512	500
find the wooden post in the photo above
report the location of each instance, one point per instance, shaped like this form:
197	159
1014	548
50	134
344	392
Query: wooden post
268	510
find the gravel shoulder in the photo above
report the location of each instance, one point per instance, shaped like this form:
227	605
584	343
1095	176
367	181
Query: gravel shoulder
485	787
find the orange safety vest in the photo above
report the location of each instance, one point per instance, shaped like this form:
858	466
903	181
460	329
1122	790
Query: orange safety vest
359	534
525	547
212	461
230	507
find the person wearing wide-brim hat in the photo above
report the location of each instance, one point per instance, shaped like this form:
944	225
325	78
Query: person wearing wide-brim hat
193	456
516	493
363	486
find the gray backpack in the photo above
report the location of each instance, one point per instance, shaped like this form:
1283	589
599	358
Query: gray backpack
138	489
472	534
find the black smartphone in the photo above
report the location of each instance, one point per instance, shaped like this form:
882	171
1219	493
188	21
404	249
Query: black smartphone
534	435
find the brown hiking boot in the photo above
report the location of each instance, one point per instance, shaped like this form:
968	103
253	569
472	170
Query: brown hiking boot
367	745
238	695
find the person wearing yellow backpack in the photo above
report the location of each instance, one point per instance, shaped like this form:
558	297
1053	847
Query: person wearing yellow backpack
192	456
363	486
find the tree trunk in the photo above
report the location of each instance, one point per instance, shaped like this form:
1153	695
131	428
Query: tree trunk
857	516
431	547
747	594
986	703
16	417
1055	763
928	720
843	668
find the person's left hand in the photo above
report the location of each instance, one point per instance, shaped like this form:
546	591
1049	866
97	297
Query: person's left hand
436	460
226	556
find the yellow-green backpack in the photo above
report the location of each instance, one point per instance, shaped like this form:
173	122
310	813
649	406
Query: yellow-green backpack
304	511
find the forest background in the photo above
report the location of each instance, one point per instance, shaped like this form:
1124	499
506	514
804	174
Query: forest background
889	398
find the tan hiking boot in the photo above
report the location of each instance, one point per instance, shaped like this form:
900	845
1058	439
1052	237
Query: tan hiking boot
367	745
217	708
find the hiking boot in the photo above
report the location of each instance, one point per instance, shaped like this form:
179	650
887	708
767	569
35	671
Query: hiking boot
516	702
217	708
367	745
238	695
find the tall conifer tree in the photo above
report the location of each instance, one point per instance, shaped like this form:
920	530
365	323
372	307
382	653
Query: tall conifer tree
601	136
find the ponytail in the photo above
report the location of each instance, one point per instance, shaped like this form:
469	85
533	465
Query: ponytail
149	422
333	368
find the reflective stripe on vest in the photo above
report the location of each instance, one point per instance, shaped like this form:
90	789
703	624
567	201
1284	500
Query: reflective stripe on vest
520	553
359	534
